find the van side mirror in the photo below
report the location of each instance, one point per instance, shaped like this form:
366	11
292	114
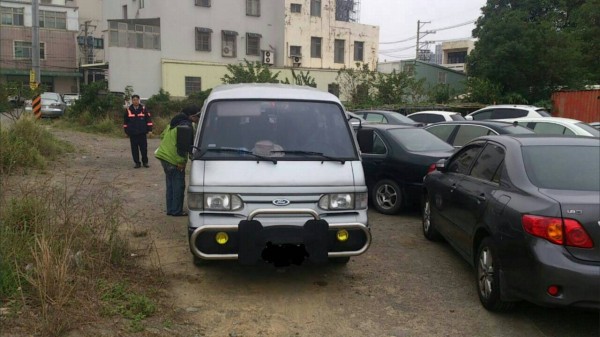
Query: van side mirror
441	165
365	140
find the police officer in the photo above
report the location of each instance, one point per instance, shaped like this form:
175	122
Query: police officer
137	123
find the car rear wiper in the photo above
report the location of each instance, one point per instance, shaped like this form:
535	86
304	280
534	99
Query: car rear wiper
310	153
234	150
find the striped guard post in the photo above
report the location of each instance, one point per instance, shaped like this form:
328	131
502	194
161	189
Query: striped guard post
36	106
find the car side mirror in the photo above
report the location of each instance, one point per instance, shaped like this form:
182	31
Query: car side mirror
469	118
365	140
441	165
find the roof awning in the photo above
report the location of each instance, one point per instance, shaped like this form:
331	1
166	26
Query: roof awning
103	65
229	32
254	35
43	73
203	30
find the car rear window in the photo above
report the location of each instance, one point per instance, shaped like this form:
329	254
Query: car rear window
419	140
563	167
593	131
543	113
511	128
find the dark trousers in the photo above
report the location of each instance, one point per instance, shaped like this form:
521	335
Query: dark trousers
139	144
175	187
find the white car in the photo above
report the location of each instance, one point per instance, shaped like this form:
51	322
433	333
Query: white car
556	126
507	111
435	116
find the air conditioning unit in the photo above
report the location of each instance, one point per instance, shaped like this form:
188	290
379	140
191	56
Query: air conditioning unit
268	57
296	59
227	51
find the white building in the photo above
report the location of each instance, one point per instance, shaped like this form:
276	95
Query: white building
183	46
454	53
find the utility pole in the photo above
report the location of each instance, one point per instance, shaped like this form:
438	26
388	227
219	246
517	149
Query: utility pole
420	34
35	41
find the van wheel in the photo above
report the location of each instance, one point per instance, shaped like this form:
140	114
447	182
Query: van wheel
387	197
341	260
429	230
487	271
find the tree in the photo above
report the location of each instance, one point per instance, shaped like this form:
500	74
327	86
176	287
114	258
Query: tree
391	88
302	79
531	47
357	84
250	72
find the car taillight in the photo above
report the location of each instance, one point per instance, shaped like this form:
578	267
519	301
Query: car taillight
431	168
568	232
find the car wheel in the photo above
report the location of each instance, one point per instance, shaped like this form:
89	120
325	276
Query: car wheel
341	260
429	230
487	269
387	197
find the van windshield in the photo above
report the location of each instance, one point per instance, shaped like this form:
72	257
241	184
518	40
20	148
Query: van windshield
288	130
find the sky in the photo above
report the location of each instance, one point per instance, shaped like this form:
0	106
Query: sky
397	21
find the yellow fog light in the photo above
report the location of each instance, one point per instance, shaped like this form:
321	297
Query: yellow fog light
342	235
221	238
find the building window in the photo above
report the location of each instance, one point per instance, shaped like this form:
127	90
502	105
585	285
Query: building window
295	51
229	43
253	44
192	85
57	20
253	7
132	35
141	3
315	47
334	88
11	16
359	50
295	8
338	52
22	50
203	39
125	12
442	77
315	8
203	3
457	57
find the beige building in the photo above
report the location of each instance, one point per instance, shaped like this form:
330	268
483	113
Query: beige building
184	46
454	53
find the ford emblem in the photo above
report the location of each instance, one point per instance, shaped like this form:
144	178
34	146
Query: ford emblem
281	202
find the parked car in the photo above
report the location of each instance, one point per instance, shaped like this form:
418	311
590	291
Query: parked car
556	126
70	98
355	120
507	111
432	116
595	125
385	117
523	210
53	105
458	134
395	158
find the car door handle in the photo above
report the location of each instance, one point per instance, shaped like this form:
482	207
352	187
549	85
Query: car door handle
452	188
481	197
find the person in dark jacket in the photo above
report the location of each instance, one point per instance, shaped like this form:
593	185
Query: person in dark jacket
175	145
137	123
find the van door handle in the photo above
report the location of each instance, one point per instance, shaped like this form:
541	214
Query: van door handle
453	187
481	198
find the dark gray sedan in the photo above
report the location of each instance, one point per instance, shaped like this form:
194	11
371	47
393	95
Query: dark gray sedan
525	212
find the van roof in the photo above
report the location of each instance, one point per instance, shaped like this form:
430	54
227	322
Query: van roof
270	91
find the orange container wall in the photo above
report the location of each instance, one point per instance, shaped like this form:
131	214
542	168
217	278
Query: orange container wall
583	105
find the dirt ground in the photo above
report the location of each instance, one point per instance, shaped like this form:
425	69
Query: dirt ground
403	286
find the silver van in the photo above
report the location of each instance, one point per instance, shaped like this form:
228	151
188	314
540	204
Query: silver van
276	176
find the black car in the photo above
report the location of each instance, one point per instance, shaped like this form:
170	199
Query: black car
395	159
524	211
459	133
386	117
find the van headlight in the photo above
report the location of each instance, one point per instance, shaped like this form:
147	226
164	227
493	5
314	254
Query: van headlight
214	201
343	201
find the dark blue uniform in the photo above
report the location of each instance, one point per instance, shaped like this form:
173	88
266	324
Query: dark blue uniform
137	122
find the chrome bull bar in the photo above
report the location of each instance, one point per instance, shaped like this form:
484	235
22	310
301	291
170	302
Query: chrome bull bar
273	211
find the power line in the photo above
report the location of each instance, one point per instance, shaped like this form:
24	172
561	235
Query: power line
432	30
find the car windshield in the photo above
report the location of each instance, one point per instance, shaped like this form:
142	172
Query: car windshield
288	130
592	130
419	140
48	96
563	167
543	113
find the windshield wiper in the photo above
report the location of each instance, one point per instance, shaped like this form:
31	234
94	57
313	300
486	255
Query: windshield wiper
234	150
310	153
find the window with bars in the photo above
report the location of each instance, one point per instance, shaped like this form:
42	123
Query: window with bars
253	44
132	35
295	8
338	51
203	39
253	7
203	3
315	8
56	20
359	50
295	50
192	85
315	47
23	50
11	16
229	43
